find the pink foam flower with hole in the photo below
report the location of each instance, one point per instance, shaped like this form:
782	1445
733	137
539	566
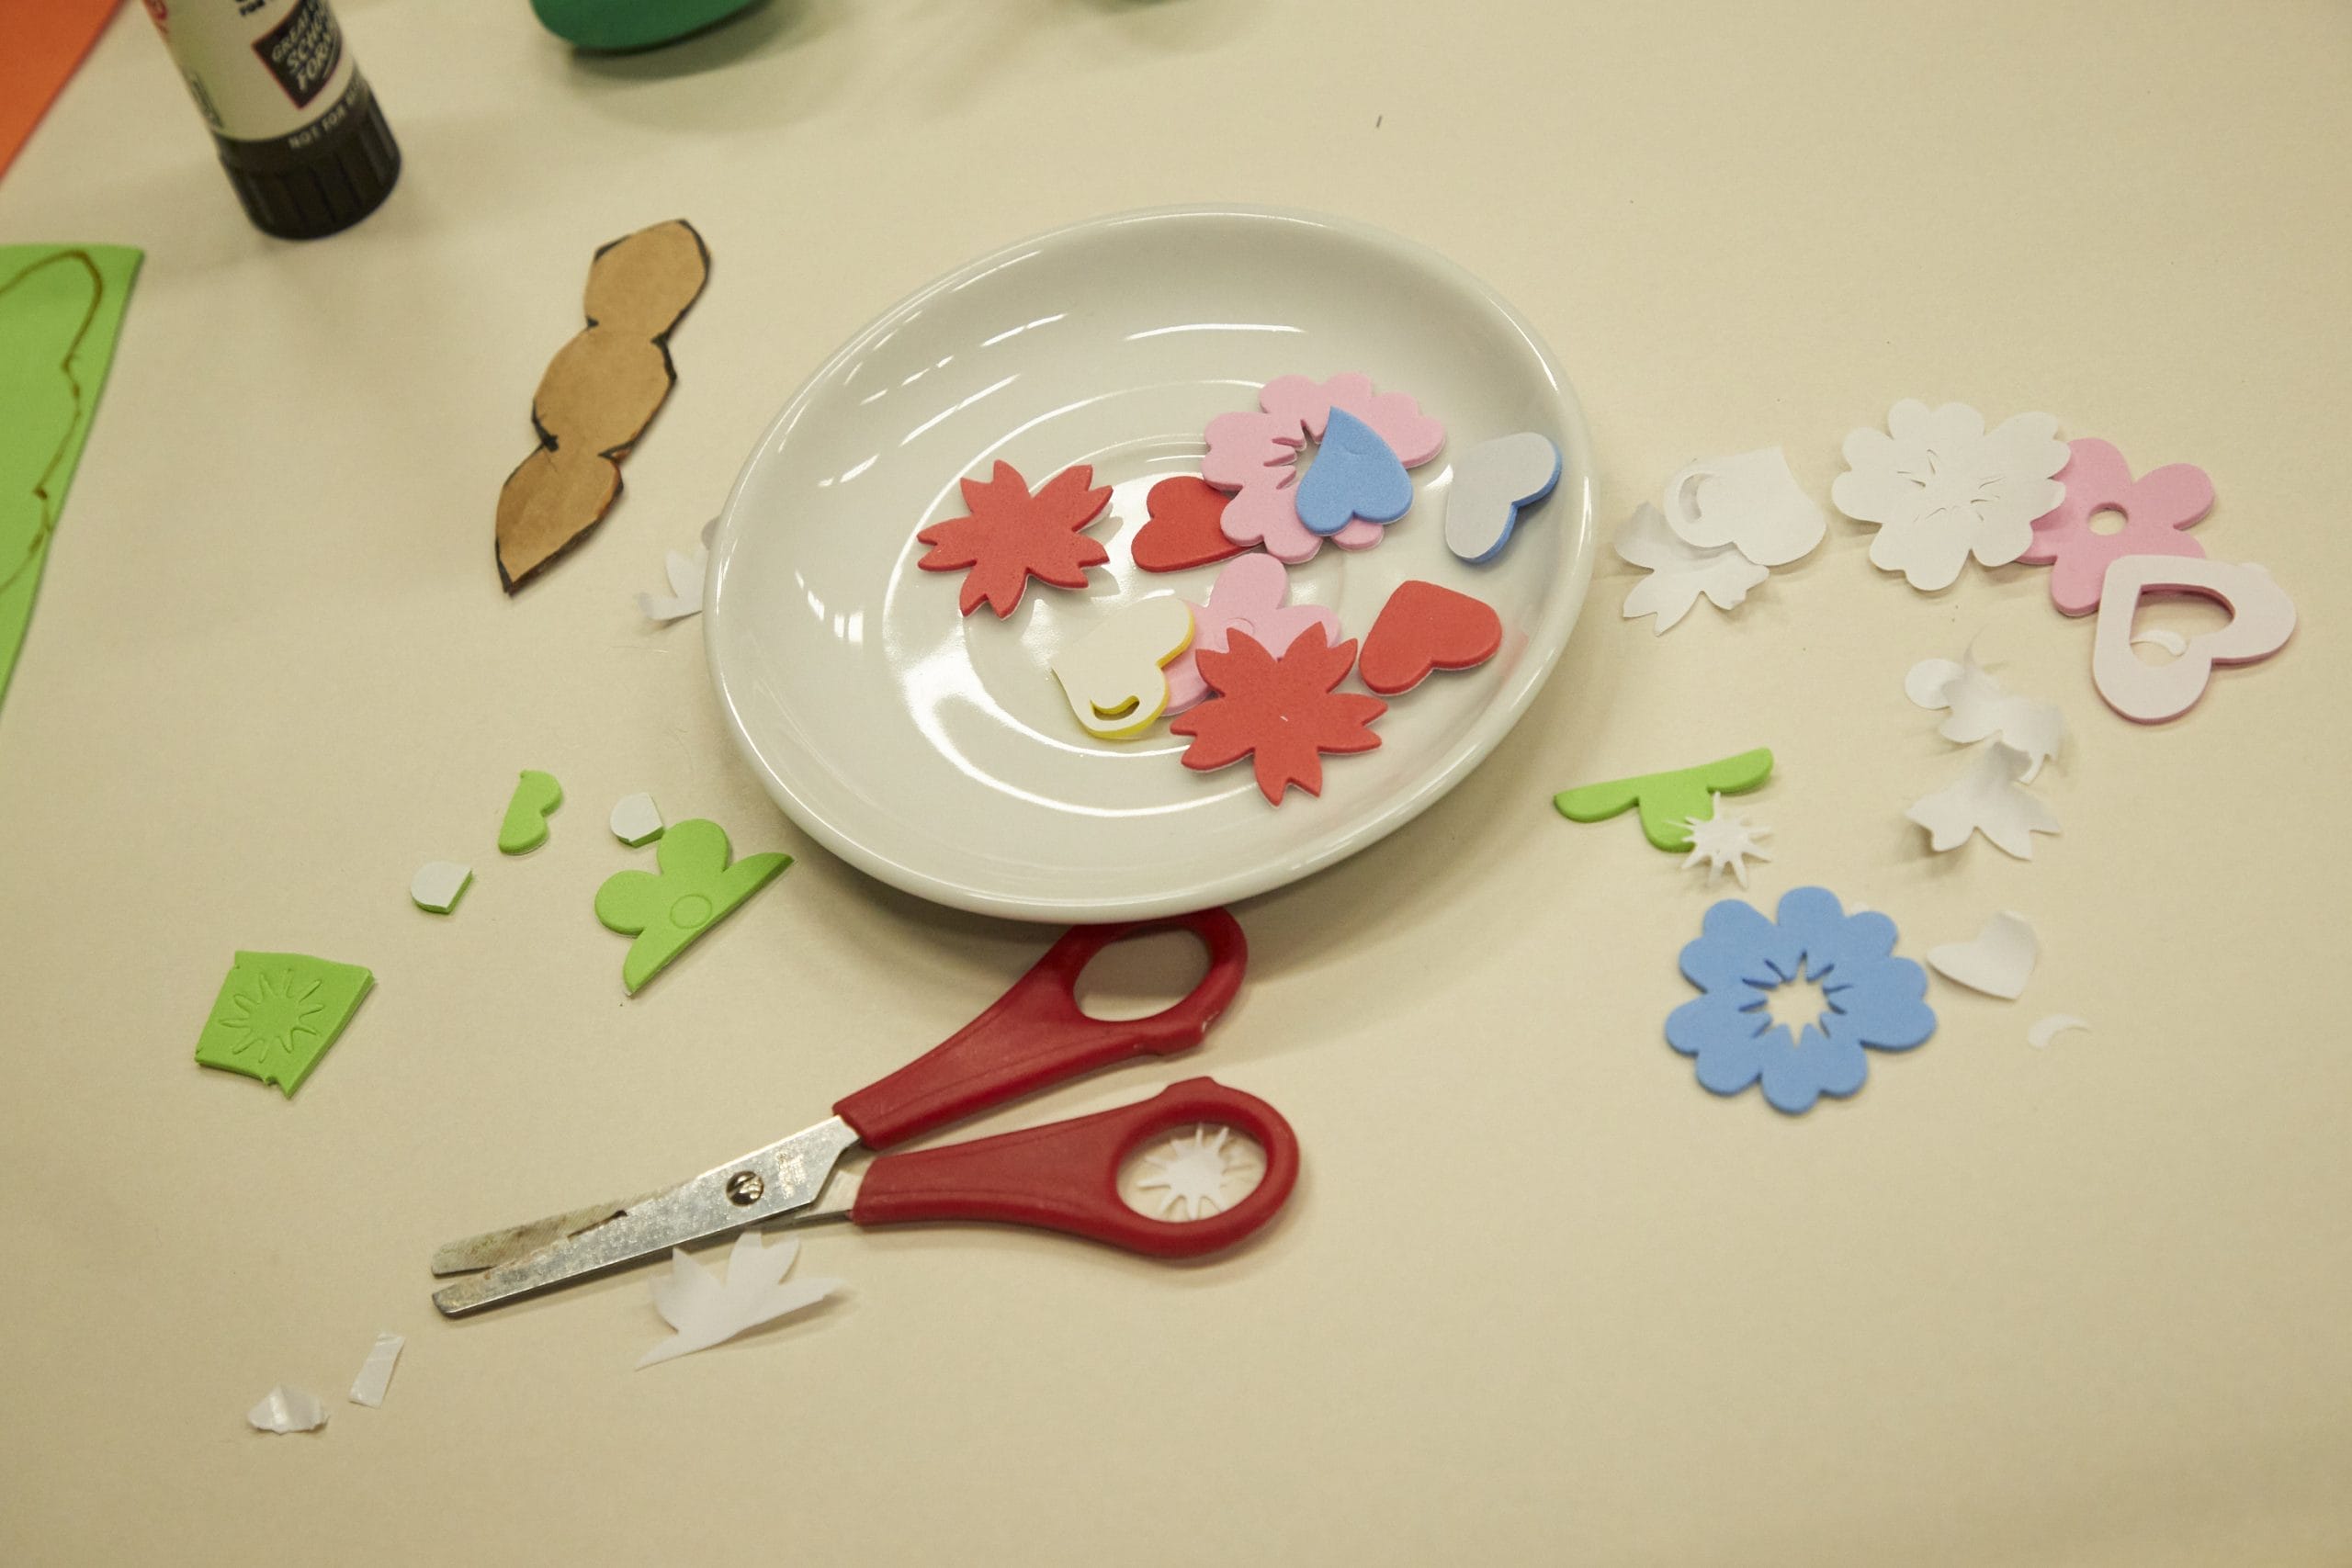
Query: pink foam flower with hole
2155	507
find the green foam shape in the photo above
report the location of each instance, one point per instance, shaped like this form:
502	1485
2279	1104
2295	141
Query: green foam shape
1668	800
61	309
630	25
695	890
526	827
277	1014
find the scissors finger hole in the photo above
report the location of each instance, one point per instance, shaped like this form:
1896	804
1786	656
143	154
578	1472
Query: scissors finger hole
1192	1173
1141	975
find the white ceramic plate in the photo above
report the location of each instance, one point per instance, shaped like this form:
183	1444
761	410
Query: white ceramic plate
935	751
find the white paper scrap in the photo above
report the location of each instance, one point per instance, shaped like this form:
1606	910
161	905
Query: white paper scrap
1997	962
1751	503
685	598
376	1371
1986	799
637	820
707	1312
1679	572
285	1409
438	886
2045	1030
2171	641
1981	707
1725	841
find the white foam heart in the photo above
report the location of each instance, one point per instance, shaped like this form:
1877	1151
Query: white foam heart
1493	483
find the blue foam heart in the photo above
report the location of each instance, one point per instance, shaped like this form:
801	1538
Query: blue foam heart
1354	475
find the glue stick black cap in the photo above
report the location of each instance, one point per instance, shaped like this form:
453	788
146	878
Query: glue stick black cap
324	187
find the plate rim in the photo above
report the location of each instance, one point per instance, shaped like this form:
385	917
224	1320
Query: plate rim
1550	635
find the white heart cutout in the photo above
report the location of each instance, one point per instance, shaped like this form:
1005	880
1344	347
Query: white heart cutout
2261	620
1493	483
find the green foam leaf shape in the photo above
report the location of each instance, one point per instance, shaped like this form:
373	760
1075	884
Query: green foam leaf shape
277	1014
1667	801
526	827
695	890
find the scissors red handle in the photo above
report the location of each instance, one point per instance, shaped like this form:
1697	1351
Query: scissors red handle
1065	1175
1035	1035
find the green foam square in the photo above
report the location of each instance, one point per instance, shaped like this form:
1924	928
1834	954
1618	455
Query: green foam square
277	1014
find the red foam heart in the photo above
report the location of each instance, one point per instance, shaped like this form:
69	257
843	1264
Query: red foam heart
1184	531
1424	627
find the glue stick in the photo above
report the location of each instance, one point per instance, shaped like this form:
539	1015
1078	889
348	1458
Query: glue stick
306	148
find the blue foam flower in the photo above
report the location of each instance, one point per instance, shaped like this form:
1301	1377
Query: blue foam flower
1870	999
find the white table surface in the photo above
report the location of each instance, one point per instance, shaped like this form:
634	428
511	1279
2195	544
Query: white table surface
1539	1298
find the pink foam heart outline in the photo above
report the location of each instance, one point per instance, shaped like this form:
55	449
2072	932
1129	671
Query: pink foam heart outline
1250	596
2261	620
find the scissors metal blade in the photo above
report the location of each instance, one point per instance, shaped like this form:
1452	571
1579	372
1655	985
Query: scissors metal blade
761	1186
492	1248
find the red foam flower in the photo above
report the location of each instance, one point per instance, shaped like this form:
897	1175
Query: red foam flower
1012	536
1281	713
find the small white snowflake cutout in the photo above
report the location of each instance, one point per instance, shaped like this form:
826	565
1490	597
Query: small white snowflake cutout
1726	842
1191	1172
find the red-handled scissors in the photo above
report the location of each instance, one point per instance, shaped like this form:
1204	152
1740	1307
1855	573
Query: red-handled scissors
1063	1176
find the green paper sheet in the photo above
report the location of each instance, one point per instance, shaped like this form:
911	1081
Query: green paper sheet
60	307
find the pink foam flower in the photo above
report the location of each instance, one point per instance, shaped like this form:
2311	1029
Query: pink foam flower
1256	457
2155	507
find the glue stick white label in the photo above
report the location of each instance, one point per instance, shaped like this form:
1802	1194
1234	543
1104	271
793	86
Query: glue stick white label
259	70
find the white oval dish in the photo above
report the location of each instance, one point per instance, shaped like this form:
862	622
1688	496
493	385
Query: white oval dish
936	750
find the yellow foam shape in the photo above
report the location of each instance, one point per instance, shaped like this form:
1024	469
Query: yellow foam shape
1115	675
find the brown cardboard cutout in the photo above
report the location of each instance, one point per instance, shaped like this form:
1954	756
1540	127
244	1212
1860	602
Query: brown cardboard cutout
599	393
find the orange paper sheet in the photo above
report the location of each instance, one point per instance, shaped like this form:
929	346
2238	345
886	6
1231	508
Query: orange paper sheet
44	41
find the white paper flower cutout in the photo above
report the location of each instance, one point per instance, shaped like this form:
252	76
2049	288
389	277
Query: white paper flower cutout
1941	488
1988	799
1981	706
1751	503
1679	572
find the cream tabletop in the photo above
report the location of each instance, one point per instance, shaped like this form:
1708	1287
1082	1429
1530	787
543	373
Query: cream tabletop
1539	1297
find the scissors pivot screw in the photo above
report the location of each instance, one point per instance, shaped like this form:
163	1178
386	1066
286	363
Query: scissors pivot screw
745	1187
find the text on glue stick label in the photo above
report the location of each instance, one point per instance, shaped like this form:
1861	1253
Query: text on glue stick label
259	70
